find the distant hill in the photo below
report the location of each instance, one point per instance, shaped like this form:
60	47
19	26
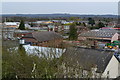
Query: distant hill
56	15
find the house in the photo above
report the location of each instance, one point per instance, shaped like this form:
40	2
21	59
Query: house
111	24
55	28
21	33
44	38
104	35
27	26
93	63
66	27
8	33
44	22
81	29
86	22
51	27
65	22
43	28
11	24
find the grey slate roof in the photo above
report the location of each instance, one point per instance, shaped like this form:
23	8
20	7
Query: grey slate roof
88	58
44	36
100	33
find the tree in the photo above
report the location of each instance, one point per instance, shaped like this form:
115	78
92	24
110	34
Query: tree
84	24
21	50
22	25
91	21
78	23
73	32
100	25
74	18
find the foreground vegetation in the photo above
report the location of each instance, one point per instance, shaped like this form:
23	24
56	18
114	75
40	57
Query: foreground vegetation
16	63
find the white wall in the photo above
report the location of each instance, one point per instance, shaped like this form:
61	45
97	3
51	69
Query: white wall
112	67
115	37
119	69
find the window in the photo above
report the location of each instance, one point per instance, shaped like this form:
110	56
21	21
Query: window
107	74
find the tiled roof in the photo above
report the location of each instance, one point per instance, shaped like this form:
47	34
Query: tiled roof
44	36
87	58
100	33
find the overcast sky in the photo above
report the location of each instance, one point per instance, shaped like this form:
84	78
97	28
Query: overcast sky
60	0
60	7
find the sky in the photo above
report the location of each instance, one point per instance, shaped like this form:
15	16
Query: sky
60	7
60	0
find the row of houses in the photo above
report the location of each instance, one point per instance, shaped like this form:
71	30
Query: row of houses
54	21
49	27
12	33
108	35
39	38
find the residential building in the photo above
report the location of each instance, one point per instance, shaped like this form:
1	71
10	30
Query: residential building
81	29
45	38
21	33
43	28
51	27
93	63
44	22
8	33
11	24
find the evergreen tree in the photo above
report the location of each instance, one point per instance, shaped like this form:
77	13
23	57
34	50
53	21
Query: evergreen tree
22	25
84	24
100	25
78	23
73	32
21	50
91	21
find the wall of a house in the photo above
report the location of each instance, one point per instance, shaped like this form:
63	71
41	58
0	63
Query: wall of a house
119	69
81	38
111	70
14	26
115	37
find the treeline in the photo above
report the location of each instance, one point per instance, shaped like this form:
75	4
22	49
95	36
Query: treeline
32	19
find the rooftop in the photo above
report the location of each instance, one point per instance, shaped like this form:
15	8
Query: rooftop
88	58
11	23
44	36
106	33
